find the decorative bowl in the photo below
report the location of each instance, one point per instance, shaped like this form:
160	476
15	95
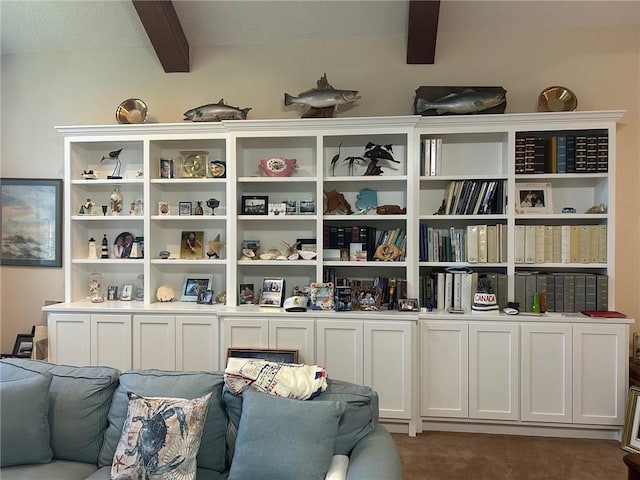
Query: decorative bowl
132	110
307	255
278	167
557	99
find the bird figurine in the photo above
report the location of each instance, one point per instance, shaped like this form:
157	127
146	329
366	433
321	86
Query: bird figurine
334	160
215	246
113	155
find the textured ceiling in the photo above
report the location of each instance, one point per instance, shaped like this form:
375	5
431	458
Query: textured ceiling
39	26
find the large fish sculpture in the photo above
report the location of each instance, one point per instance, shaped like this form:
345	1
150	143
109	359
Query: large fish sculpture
215	112
323	100
466	102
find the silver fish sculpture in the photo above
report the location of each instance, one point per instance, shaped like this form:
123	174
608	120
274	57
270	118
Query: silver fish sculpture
323	96
468	101
215	112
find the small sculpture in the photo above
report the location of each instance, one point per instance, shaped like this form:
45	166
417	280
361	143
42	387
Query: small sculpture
387	253
337	204
165	293
601	208
116	201
459	100
212	203
323	100
366	200
89	175
199	210
87	207
216	112
373	153
292	248
113	155
215	246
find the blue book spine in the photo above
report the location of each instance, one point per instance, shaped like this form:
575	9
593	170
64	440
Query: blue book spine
562	154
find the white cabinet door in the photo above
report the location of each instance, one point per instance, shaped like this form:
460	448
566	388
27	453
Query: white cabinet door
69	338
197	343
154	342
294	334
242	333
111	340
444	374
339	347
600	373
388	353
493	371
546	356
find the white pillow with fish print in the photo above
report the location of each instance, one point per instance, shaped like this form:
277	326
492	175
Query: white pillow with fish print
160	436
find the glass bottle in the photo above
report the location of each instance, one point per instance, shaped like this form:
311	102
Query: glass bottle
95	287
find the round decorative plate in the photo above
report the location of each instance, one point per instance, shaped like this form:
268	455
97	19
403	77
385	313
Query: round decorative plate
132	110
557	99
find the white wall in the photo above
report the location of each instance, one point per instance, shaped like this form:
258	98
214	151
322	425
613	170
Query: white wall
600	64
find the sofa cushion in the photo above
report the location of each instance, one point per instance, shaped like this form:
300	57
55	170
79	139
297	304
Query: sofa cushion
359	419
79	400
104	473
161	436
160	383
24	417
284	438
56	470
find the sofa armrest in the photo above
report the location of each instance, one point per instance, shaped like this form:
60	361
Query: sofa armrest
375	457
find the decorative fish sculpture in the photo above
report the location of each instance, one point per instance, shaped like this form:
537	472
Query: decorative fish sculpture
322	97
215	112
468	101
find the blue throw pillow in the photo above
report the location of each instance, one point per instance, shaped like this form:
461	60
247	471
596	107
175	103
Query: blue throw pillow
284	438
24	418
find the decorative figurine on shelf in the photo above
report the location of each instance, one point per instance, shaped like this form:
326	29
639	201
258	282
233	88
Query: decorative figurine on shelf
601	208
337	204
199	210
215	112
435	100
373	153
116	201
93	252
87	207
387	253
104	252
104	209
366	200
212	203
113	155
292	250
138	208
89	175
215	246
322	100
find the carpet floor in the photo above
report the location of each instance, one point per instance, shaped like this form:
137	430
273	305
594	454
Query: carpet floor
466	456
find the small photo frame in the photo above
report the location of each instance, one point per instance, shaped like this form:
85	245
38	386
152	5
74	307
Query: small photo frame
246	294
408	305
278	208
307	244
163	208
205	297
272	292
122	245
630	436
193	285
112	292
307	207
166	168
23	346
254	205
127	292
191	245
184	208
533	198
291	207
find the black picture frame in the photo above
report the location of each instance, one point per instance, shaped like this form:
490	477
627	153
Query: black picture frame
279	356
31	222
23	346
185	208
205	297
272	293
255	205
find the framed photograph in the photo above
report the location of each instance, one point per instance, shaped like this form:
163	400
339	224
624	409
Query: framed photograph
193	285
278	208
321	296
184	208
255	205
163	208
408	305
112	292
291	207
205	297
127	292
280	356
166	168
272	292
246	294
307	207
533	198
23	346
191	245
122	245
631	435
31	222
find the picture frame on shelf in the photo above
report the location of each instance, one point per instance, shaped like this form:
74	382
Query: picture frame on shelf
166	168
254	205
122	245
205	297
408	305
34	238
193	285
630	436
23	346
307	206
533	198
164	209
278	208
246	294
270	355
321	296
112	292
127	292
291	207
185	208
272	293
191	244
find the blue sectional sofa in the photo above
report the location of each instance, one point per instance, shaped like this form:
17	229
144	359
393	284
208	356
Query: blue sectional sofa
64	423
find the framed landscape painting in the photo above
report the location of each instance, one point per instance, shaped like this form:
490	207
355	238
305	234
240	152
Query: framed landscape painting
31	222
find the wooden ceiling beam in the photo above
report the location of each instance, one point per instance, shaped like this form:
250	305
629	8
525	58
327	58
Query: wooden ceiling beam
422	31
163	28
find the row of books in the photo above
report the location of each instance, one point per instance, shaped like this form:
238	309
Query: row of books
581	153
430	156
564	291
474	197
368	238
560	244
474	244
455	289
